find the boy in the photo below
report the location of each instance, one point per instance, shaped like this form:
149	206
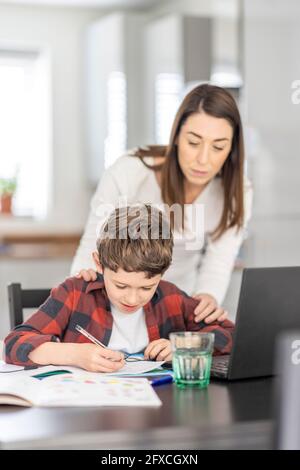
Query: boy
128	308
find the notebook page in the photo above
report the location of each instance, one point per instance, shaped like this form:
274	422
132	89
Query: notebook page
82	390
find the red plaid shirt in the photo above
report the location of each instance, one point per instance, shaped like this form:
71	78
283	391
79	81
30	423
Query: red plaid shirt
86	303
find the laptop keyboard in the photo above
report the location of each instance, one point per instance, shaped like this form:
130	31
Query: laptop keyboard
219	367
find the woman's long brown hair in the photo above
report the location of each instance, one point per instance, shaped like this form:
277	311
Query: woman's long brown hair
216	102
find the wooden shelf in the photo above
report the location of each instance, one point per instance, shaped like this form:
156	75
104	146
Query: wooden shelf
26	238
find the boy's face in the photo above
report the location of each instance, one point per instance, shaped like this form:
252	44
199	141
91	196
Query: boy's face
128	292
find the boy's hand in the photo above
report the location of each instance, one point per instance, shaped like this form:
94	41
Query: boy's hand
97	359
160	350
208	309
87	275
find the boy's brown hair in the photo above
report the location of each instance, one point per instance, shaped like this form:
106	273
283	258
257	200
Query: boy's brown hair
136	238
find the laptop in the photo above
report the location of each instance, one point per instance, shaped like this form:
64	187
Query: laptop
269	304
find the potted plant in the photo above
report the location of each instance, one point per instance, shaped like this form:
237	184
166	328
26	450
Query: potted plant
7	189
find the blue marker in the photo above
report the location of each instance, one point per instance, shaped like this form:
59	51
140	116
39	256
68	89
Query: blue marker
164	380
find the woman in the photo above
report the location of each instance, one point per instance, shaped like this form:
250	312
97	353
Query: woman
203	166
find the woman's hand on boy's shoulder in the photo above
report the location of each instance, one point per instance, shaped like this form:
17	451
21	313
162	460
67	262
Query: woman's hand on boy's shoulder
158	350
208	309
87	275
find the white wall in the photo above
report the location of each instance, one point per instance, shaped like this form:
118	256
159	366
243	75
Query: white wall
99	64
114	44
271	59
272	42
225	8
225	14
272	64
163	54
225	40
62	32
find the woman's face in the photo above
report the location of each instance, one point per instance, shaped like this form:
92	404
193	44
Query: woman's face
204	143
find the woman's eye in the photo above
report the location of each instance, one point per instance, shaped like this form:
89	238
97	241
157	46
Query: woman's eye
218	148
146	288
121	287
193	143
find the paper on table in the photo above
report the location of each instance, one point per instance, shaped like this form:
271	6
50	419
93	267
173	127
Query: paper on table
130	368
8	368
138	367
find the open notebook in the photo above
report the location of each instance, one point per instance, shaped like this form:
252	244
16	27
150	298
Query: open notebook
79	389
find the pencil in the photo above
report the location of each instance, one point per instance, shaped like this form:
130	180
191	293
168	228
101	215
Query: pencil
96	341
89	336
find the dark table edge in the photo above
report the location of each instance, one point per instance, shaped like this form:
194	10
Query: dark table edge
244	435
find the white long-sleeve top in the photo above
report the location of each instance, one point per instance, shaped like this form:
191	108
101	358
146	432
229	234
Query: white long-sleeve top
195	268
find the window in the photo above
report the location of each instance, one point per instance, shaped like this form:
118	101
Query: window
226	75
116	140
25	129
168	87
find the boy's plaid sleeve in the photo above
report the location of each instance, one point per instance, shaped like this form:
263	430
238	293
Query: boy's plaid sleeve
47	324
223	331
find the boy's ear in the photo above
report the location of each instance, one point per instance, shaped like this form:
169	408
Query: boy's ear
99	268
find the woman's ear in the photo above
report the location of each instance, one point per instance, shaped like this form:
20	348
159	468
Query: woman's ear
99	268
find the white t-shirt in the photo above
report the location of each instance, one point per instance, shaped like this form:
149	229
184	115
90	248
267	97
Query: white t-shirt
193	270
129	331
